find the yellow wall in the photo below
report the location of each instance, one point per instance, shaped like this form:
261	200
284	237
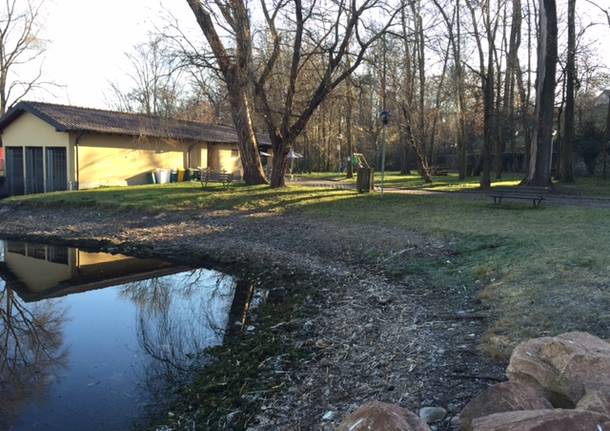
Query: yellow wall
220	158
199	156
30	131
37	274
105	159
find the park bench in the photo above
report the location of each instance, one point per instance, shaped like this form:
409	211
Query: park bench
210	176
528	193
439	171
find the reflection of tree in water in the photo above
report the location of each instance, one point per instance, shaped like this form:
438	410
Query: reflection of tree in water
179	316
31	351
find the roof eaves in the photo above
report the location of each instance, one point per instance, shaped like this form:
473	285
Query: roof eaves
22	107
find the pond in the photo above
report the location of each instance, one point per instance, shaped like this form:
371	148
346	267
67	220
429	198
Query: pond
99	341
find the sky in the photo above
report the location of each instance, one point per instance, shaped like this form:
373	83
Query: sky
87	41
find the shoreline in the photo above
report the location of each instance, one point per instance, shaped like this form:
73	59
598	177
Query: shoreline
318	354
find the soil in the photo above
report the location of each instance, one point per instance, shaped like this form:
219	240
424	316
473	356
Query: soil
363	334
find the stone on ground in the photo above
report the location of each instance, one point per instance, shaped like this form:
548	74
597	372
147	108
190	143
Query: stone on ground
432	414
503	397
567	366
596	401
380	416
542	420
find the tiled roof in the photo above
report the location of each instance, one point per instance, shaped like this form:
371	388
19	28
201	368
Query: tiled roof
67	118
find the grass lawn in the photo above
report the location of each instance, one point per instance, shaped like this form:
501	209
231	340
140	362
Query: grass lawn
585	186
450	182
541	271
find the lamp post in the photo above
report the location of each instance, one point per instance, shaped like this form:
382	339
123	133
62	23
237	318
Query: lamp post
385	119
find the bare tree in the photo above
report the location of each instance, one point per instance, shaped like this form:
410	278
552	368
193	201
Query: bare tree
540	153
155	82
490	20
19	44
236	66
307	34
567	143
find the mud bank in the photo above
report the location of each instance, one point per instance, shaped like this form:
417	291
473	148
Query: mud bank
350	317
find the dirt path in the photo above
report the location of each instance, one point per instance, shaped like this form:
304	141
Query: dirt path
552	199
366	336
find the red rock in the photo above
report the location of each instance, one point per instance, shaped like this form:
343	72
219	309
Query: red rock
542	420
503	397
380	416
567	365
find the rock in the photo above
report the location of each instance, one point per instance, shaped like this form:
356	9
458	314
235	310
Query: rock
329	416
380	416
566	366
541	420
503	397
432	414
596	401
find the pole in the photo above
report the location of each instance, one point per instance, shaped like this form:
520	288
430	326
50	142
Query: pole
384	116
382	157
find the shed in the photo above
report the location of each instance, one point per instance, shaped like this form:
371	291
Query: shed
50	147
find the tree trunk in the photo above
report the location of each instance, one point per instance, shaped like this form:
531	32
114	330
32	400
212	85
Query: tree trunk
235	71
540	154
488	119
348	129
247	141
567	143
279	162
461	135
607	138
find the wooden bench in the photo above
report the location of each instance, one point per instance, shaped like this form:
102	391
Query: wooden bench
528	193
439	171
209	176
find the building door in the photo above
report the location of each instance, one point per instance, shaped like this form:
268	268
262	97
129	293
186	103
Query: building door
14	170
34	170
57	169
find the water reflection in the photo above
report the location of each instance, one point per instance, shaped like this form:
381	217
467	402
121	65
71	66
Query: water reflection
88	340
31	352
175	323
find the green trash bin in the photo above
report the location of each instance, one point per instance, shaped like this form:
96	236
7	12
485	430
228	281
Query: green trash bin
173	176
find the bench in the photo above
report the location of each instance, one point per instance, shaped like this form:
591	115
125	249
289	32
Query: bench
528	193
209	176
439	171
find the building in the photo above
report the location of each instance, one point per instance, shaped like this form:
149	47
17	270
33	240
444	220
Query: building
38	271
50	147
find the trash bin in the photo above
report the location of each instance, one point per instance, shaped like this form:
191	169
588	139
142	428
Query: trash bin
365	181
151	177
162	176
181	175
192	174
173	176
